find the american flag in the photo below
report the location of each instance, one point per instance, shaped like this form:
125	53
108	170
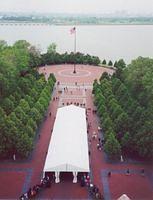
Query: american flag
72	30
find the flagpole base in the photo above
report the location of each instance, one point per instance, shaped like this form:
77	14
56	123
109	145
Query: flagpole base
74	69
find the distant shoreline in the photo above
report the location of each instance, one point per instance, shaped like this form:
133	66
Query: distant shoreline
86	24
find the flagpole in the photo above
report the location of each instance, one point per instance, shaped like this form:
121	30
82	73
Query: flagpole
74	71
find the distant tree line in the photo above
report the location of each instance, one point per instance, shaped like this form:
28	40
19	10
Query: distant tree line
53	57
71	19
24	98
125	106
71	58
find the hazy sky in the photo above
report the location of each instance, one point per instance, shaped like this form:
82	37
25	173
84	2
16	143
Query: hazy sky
77	6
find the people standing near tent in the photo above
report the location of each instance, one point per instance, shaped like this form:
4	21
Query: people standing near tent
142	172
14	157
127	172
94	135
88	181
109	174
82	183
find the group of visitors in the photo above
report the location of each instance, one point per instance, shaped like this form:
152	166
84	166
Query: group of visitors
85	181
75	103
142	172
94	111
100	141
55	98
65	89
33	192
95	193
100	144
127	172
93	189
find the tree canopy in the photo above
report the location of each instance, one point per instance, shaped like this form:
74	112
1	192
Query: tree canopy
24	98
127	109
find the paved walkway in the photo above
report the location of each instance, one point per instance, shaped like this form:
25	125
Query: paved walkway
16	177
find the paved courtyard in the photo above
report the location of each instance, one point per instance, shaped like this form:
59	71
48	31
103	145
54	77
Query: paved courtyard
17	176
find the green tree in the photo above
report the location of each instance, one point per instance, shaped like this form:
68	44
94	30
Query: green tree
104	75
44	102
2	133
25	85
110	63
125	141
21	114
35	115
139	81
24	145
112	146
30	100
40	108
34	57
21	44
52	77
8	106
34	94
17	122
107	123
120	64
115	64
52	48
4	85
121	123
102	109
32	124
104	62
29	131
3	45
24	105
12	98
10	137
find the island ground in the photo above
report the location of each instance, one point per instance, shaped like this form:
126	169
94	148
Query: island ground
17	176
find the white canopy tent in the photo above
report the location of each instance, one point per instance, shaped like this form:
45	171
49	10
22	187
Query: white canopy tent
123	197
68	149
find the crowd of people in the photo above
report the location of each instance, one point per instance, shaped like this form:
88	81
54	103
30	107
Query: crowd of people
34	191
94	191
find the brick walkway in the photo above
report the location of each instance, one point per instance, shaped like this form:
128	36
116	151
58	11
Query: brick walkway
16	177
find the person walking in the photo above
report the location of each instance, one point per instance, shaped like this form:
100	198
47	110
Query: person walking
14	157
127	172
142	172
109	174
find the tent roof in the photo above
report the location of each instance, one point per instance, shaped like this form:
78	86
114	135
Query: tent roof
123	197
68	149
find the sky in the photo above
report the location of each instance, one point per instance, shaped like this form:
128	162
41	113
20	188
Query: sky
77	6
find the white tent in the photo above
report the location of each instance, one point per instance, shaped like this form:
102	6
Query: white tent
123	197
68	149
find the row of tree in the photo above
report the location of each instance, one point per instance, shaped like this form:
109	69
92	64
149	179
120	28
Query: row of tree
108	111
71	58
117	64
18	127
52	57
24	99
125	114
